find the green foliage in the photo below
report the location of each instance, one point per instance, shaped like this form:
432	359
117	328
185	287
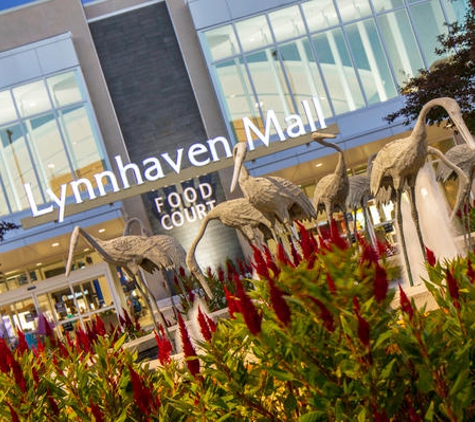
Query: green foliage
331	342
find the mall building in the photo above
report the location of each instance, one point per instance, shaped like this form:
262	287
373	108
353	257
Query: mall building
120	109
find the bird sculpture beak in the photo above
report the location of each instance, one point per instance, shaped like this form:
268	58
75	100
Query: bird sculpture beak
239	154
463	129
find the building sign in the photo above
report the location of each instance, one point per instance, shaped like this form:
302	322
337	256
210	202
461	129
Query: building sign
151	169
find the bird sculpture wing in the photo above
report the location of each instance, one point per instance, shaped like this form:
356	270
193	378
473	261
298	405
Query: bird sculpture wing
463	156
359	191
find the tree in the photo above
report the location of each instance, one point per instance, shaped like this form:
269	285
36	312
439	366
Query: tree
451	76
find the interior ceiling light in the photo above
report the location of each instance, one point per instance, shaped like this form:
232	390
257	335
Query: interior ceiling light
318	165
55	244
101	230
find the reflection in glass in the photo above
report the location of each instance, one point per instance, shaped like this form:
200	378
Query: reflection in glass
236	92
338	71
319	14
7	108
64	89
353	9
253	33
401	45
287	23
371	61
32	98
428	23
222	42
385	5
456	10
303	74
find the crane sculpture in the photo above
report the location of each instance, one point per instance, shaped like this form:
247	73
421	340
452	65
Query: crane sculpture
277	198
238	214
397	164
463	156
331	190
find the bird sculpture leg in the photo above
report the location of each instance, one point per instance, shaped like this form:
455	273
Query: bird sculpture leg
401	235
415	218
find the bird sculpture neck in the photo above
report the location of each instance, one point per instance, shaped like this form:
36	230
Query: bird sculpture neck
419	133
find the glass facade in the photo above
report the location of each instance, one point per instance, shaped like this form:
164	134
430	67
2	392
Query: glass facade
48	138
349	54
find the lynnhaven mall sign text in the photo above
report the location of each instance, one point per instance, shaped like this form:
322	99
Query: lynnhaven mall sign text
199	155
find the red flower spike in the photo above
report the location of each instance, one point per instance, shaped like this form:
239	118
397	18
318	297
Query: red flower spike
295	255
282	256
127	321
325	314
432	261
307	243
142	396
189	351
220	274
52	403
211	324
453	288
363	330
182	271
279	304
100	326
22	346
270	262
252	318
232	304
164	347
470	271
336	238
4	356
406	305
13	413
368	253
260	263
231	269
204	327
380	286
18	374
96	411
331	284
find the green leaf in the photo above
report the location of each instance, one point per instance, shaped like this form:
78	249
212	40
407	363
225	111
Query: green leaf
310	417
281	375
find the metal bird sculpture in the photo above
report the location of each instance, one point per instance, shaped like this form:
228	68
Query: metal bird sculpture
238	214
397	164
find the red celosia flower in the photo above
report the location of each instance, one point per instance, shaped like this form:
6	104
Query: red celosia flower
4	356
231	269
380	285
282	255
260	263
368	253
192	361
453	288
232	304
82	341
295	255
220	274
8	362
164	347
325	314
142	395
100	326
18	374
336	238
331	284
470	271
270	262
52	403
363	325
430	257
279	304
308	244
22	346
127	320
204	327
13	413
182	271
252	318
96	411
211	324
406	305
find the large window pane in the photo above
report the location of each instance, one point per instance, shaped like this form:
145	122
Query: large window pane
287	23
303	73
270	84
429	23
64	89
456	9
319	14
385	5
254	33
222	42
338	71
235	91
32	98
17	167
7	108
403	50
82	144
49	150
371	61
353	9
